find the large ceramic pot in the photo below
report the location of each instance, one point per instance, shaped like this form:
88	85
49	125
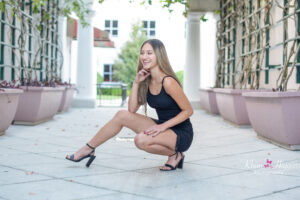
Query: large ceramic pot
208	100
275	116
67	98
232	105
8	105
38	104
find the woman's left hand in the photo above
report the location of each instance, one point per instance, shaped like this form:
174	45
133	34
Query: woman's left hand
155	130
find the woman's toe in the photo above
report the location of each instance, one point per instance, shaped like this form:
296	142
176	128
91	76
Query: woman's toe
165	168
71	157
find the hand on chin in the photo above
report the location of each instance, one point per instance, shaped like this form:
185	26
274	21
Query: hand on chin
147	69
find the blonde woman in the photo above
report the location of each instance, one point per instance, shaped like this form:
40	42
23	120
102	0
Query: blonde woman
156	84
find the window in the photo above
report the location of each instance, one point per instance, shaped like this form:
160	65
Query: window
149	28
111	26
107	72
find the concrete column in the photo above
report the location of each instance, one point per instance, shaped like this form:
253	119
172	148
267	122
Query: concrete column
208	50
191	81
86	72
62	41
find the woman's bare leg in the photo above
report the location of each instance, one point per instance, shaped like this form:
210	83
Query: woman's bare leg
133	121
162	144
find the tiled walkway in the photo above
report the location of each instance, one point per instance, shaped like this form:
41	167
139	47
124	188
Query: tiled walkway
224	162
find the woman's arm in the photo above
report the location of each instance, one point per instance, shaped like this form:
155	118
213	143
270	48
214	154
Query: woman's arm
133	105
173	89
133	98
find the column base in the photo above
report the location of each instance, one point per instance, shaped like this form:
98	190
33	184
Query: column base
84	103
195	104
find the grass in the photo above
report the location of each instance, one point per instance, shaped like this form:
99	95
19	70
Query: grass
113	97
109	97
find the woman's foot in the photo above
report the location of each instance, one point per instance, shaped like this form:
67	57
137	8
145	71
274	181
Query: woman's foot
83	151
172	161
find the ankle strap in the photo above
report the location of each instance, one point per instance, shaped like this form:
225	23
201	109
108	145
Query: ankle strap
173	154
176	153
87	144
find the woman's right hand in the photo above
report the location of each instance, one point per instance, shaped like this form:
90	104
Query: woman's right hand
141	75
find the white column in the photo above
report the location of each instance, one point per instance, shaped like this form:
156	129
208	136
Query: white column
208	50
62	41
191	79
86	72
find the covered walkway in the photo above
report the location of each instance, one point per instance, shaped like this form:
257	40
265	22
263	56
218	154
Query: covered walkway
224	162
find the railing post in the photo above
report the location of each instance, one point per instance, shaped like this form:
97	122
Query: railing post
124	93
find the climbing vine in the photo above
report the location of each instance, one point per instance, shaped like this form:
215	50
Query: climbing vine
243	39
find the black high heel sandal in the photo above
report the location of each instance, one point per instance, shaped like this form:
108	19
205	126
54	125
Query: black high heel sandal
179	164
90	155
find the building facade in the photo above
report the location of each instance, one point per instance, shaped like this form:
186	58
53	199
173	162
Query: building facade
118	20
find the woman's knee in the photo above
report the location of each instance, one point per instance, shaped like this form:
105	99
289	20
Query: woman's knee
141	141
121	115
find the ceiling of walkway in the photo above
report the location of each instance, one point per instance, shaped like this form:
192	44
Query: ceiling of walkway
204	5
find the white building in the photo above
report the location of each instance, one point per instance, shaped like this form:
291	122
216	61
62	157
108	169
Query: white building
118	20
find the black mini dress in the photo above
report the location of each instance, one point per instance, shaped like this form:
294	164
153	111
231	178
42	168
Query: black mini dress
167	108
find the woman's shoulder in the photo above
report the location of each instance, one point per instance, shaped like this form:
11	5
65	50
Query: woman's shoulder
169	80
170	84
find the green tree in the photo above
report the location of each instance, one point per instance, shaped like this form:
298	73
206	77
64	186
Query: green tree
126	64
179	75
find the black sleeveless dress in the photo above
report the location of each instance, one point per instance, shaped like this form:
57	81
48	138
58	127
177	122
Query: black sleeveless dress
167	108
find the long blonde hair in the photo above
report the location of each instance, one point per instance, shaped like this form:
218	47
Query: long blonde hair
163	63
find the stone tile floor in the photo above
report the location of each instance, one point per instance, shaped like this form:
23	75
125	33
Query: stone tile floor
224	162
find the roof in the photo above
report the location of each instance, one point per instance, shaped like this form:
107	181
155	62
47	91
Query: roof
101	38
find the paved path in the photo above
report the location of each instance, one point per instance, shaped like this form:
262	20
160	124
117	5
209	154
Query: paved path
224	162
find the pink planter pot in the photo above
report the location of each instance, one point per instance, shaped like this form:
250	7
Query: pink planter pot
8	105
232	105
38	104
67	98
275	116
208	100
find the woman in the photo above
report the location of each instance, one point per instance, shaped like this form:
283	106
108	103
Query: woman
156	84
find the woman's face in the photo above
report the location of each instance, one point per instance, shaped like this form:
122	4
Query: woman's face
148	57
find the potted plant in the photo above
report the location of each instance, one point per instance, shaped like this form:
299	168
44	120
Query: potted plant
38	103
208	100
9	97
275	115
230	103
35	58
235	78
40	98
66	100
